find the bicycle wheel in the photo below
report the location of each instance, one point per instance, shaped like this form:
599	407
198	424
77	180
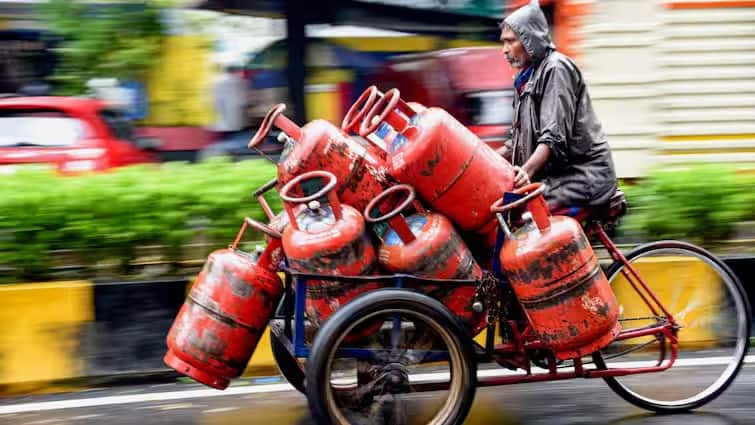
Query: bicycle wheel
708	303
420	347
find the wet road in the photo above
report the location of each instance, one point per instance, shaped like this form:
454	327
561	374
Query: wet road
271	402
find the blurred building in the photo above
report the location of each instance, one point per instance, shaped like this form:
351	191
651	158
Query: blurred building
672	80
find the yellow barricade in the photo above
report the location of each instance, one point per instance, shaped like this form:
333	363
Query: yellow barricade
42	331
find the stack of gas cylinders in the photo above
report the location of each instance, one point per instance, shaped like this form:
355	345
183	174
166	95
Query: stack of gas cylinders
398	188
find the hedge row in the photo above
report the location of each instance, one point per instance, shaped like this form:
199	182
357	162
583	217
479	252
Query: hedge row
701	203
108	215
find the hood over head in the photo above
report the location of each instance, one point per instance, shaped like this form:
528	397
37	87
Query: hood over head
530	25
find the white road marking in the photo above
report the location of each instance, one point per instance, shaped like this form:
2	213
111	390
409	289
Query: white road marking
220	410
139	398
261	389
85	417
175	406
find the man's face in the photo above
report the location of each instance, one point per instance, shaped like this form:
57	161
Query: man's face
514	49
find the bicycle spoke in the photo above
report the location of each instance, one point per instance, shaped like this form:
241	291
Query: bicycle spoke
712	327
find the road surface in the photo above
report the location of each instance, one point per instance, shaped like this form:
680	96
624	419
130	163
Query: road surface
272	402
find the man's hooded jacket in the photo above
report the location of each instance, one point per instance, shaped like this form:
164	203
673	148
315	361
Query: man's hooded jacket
554	108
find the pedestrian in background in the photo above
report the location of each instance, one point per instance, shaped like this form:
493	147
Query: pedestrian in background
229	100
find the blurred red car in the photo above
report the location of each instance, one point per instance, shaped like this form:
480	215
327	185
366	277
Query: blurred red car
473	84
71	134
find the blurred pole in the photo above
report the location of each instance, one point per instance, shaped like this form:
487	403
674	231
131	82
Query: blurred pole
297	49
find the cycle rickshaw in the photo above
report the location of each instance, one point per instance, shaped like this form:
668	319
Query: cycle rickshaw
419	364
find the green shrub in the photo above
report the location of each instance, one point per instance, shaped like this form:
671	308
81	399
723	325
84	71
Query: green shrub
700	203
122	40
109	215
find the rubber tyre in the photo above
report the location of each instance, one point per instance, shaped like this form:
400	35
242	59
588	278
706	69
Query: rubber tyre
386	300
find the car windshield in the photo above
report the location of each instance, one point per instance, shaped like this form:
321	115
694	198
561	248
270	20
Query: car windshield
119	125
39	128
490	107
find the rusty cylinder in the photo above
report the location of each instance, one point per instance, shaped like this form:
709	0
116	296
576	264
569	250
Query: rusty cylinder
557	279
451	169
326	237
319	145
426	244
226	312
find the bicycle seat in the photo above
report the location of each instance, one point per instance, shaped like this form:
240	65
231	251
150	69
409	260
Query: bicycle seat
608	213
614	209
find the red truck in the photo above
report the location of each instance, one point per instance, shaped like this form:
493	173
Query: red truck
473	84
70	134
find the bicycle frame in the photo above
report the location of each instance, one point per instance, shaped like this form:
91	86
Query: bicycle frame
524	341
296	285
521	342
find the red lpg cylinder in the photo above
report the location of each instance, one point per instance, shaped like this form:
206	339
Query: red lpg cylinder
557	279
319	145
228	308
451	168
326	238
425	244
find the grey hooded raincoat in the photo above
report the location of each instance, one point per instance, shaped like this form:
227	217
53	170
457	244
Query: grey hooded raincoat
554	108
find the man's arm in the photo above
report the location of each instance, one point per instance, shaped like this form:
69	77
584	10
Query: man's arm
537	161
557	111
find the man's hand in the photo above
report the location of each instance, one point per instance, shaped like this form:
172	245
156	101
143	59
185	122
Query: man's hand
521	178
530	168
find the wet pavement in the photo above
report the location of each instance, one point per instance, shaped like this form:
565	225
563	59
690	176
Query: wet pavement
271	402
